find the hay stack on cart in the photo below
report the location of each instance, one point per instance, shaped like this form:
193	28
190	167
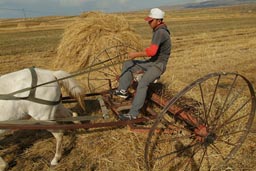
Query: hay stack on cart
90	34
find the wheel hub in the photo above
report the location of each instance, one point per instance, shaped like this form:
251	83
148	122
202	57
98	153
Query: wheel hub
209	139
204	136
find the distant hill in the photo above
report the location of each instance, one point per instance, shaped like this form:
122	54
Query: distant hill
211	3
217	3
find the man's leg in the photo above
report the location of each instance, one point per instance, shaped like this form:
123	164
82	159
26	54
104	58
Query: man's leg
130	67
126	75
141	91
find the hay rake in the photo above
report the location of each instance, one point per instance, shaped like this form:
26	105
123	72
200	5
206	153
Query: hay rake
200	128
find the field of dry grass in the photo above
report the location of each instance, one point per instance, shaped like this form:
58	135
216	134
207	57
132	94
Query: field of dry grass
204	41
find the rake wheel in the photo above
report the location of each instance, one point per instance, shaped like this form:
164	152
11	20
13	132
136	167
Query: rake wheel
203	126
110	62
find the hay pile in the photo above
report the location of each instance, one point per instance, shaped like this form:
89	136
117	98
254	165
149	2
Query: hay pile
91	33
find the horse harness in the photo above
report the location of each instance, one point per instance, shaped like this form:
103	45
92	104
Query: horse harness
32	92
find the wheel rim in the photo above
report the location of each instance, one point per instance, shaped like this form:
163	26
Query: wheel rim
203	126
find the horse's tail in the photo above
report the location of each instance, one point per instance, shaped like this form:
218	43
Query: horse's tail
71	86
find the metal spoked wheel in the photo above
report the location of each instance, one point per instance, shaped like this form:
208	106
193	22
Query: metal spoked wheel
106	67
203	126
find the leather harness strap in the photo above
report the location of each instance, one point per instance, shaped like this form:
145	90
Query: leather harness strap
32	92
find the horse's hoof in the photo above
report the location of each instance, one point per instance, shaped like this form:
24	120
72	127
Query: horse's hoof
54	162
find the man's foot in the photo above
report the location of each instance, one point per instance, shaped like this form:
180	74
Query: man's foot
121	93
127	116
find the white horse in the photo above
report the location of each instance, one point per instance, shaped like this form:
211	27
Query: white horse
41	102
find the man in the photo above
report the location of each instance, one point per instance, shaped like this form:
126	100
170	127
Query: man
158	53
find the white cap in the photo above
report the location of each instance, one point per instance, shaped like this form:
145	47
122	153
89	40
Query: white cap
155	13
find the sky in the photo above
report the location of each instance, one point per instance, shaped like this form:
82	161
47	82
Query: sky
36	8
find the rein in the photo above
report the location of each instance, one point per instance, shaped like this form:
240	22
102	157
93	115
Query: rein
77	73
90	69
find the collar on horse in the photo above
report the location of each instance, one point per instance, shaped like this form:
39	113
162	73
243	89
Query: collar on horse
32	92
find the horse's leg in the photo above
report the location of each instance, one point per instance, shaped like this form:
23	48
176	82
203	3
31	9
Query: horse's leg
59	137
61	112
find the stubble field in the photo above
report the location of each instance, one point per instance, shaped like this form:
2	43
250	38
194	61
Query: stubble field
203	41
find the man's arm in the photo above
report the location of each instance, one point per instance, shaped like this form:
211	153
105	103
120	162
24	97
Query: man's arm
149	52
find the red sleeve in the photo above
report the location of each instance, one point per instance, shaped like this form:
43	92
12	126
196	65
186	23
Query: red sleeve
151	50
